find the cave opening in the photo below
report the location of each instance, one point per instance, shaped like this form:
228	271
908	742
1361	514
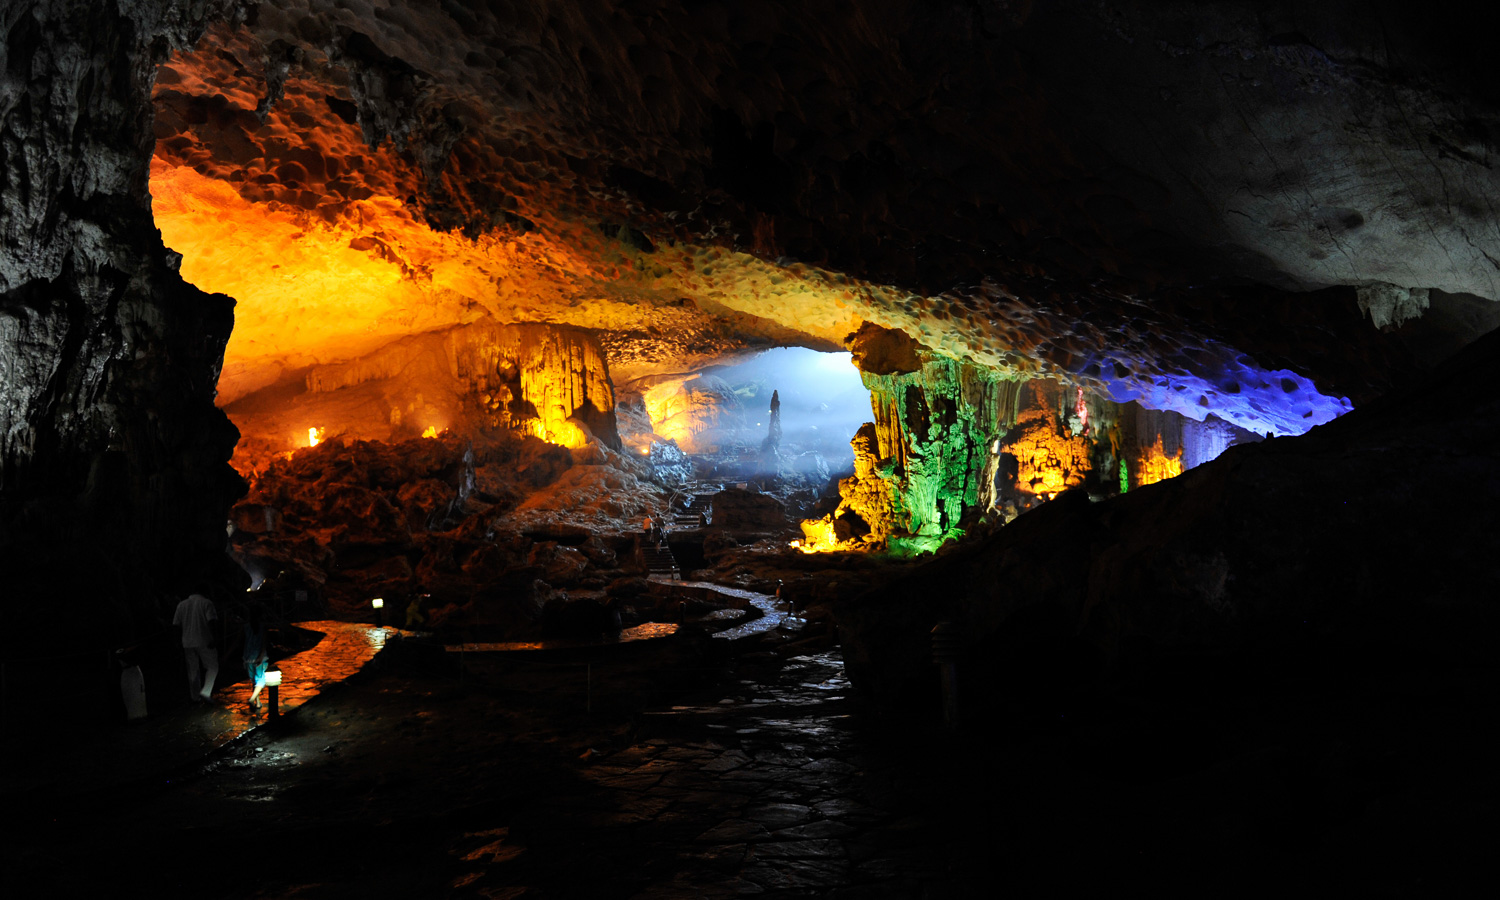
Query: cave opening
402	385
820	401
475	422
499	276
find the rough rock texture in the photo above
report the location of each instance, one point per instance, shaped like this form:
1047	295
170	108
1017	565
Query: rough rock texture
740	510
1069	188
1048	460
1354	532
952	444
865	515
993	195
700	412
1276	134
454	519
114	481
936	426
472	379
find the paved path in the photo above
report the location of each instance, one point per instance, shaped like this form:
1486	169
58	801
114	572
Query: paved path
773	612
344	650
166	740
764	792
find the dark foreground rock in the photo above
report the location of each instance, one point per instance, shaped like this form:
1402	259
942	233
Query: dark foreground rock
1378	530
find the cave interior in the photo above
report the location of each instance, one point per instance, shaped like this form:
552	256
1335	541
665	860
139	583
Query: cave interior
1103	390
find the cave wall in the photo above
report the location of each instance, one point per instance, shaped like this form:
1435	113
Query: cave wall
563	378
1378	530
113	460
1029	204
548	381
700	412
929	456
937	425
536	378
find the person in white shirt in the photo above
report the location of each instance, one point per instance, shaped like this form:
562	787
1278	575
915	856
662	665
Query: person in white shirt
195	615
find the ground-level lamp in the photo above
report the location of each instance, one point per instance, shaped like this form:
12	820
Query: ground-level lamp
379	604
273	689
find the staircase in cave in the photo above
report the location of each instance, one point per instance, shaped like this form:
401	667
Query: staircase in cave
690	514
659	559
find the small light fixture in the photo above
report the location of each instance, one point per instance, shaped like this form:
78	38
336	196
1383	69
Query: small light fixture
379	604
273	692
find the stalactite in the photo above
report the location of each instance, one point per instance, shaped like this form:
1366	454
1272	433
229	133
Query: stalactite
921	465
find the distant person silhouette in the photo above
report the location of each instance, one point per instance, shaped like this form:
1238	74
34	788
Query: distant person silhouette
194	615
414	617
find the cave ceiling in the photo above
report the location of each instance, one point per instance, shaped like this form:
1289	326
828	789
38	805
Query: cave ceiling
1049	188
1214	208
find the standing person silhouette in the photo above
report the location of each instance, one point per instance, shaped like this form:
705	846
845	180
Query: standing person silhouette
195	615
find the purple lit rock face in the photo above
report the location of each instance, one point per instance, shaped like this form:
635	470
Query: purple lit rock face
1077	250
1275	403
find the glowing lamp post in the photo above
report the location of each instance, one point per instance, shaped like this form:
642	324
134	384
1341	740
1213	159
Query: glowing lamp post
273	689
379	604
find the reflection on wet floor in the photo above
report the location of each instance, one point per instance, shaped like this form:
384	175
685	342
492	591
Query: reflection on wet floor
767	612
758	614
764	791
170	738
343	651
643	632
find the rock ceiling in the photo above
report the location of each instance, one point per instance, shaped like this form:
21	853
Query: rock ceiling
1036	190
1180	202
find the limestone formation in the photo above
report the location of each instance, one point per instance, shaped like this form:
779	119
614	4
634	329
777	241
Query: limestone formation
1129	198
1284	541
700	412
113	459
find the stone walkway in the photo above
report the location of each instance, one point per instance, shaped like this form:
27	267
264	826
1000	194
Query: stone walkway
343	651
764	793
167	740
772	612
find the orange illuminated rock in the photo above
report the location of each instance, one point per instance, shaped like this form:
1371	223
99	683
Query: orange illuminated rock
335	242
701	413
1048	460
1155	465
866	515
548	382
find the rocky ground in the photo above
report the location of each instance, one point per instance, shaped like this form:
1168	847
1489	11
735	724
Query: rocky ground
677	773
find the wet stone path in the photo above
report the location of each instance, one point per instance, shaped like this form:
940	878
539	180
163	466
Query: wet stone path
763	793
343	650
62	761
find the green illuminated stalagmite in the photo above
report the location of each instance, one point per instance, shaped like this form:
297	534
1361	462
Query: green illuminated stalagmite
928	457
938	426
951	438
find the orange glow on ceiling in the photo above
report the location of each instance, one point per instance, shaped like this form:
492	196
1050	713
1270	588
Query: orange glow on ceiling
310	292
326	241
